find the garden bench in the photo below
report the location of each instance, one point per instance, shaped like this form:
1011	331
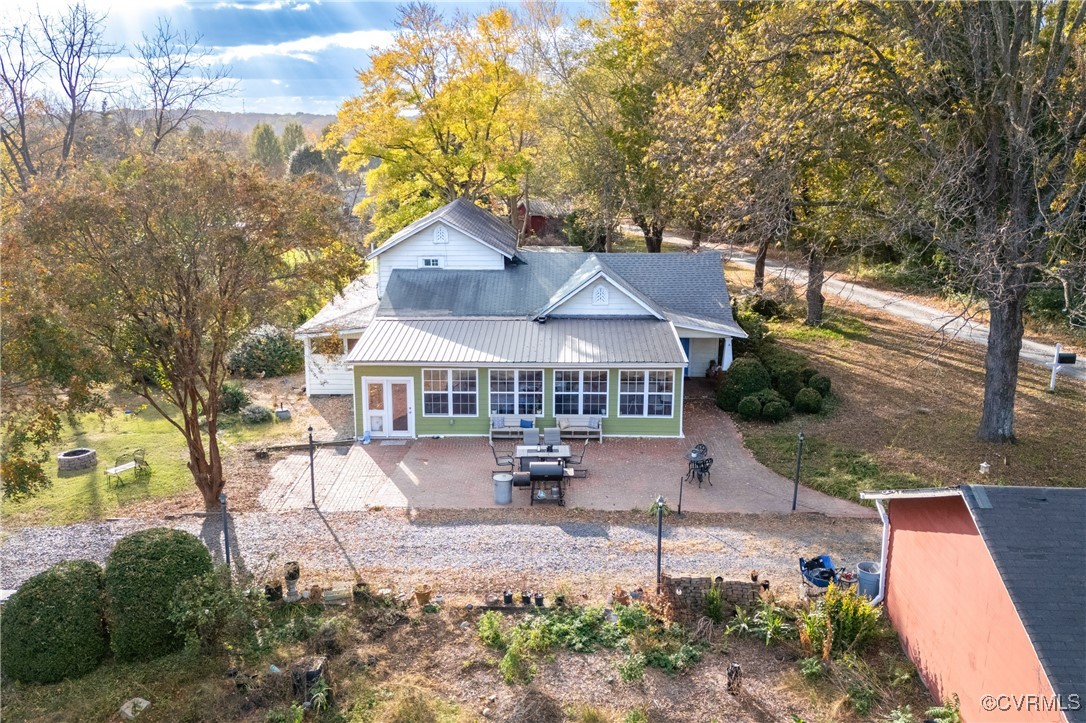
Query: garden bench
508	426
135	461
580	425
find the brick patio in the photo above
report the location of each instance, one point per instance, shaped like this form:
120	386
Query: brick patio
625	474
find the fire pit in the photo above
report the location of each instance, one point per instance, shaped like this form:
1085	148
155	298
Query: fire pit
76	459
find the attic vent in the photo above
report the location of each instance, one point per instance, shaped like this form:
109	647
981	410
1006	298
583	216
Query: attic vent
599	295
441	234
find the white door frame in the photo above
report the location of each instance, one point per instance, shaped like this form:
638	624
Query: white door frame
387	383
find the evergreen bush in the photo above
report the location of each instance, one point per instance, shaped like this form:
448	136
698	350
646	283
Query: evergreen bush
255	414
232	397
808	401
142	576
267	352
750	407
820	383
774	411
746	376
53	627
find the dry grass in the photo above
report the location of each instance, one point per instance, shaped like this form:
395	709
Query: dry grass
907	403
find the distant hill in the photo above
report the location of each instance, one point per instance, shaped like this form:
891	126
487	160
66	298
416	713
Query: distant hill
245	122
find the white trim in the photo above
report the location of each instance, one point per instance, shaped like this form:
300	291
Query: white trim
718	332
431	364
340	332
448	378
679	341
911	494
581	393
516	392
645	396
393	243
625	289
386	391
421	262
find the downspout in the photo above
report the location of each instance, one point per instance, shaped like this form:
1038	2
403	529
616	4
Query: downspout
882	556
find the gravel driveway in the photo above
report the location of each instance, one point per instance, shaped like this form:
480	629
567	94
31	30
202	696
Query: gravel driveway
470	552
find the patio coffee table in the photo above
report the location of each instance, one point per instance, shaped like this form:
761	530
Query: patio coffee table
561	451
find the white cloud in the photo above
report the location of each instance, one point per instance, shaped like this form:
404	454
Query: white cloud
306	48
263	6
276	81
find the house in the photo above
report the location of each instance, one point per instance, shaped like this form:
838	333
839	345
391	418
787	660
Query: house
469	328
544	218
986	587
332	333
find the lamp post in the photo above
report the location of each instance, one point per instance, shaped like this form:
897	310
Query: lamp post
659	537
681	480
799	459
225	534
312	473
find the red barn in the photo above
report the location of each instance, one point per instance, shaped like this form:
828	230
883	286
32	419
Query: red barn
544	218
986	587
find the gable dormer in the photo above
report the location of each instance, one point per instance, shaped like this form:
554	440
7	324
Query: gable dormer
459	235
591	291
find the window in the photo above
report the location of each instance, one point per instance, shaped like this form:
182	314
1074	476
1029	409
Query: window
599	295
448	392
580	392
350	343
646	394
516	391
429	262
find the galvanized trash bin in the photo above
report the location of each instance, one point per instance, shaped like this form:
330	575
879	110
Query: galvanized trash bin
503	489
869	573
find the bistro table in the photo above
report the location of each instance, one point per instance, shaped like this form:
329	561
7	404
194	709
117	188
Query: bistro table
692	458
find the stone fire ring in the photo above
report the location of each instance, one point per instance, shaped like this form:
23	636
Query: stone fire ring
76	459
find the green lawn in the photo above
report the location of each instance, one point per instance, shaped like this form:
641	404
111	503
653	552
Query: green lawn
84	495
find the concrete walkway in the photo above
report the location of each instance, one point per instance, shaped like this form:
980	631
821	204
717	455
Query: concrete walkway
624	474
943	323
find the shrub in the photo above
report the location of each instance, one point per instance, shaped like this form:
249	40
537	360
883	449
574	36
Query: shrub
806	375
632	669
841	621
789	383
713	604
820	383
267	351
142	576
745	377
750	407
213	616
808	401
774	411
255	414
490	630
232	397
52	627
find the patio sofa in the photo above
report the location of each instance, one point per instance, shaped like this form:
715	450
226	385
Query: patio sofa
580	425
508	426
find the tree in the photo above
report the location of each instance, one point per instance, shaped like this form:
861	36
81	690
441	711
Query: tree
446	112
293	136
176	79
264	147
160	266
995	98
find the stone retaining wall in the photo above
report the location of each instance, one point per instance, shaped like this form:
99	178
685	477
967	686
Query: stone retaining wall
686	595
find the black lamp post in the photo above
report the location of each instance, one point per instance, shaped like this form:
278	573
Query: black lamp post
799	460
659	537
312	473
225	533
681	480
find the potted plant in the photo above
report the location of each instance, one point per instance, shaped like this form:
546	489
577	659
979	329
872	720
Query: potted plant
525	597
507	597
422	594
539	599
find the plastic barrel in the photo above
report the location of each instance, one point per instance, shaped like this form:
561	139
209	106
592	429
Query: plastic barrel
503	489
869	573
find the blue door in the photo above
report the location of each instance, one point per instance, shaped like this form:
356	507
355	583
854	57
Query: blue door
686	348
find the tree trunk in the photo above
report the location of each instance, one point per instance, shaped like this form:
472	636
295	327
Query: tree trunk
1001	370
816	275
699	235
653	233
759	265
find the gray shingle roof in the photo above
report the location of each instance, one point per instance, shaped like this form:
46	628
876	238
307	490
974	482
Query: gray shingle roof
1037	538
350	310
464	215
689	289
519	341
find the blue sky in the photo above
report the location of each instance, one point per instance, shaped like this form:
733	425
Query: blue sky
286	56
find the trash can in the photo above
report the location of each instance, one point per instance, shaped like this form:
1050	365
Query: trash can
869	573
503	489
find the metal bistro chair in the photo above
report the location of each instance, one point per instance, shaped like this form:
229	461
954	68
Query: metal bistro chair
701	470
531	436
552	435
576	460
502	460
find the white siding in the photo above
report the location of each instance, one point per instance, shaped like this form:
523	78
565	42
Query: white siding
461	252
583	303
327	375
702	351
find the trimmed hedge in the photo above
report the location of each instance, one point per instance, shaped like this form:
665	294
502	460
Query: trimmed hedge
746	376
750	407
142	575
808	401
255	414
53	627
267	352
775	411
820	384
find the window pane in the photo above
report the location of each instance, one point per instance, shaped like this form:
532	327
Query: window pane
631	405
660	382
435	403
502	404
631	382
464	404
463	380
659	405
595	381
595	404
531	381
566	404
435	380
566	382
502	380
530	404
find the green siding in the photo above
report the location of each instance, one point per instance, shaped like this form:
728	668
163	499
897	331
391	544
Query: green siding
430	426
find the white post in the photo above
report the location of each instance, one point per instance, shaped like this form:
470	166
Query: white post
1055	368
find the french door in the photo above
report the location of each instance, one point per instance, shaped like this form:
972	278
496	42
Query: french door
388	406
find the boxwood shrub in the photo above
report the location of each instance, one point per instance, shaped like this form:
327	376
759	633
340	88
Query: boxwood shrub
808	401
255	414
53	627
267	352
820	383
775	411
746	376
142	575
750	407
232	397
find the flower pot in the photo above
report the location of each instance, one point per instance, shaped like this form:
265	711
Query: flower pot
273	590
291	571
525	598
360	592
507	597
422	594
282	414
560	600
539	599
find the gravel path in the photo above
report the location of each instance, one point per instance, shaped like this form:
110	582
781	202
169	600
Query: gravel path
492	549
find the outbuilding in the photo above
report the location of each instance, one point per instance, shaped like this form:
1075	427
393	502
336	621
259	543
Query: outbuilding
986	587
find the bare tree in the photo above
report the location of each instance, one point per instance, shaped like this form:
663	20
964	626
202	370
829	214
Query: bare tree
19	67
74	46
176	79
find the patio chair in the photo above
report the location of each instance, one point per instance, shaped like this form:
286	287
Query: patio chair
143	469
575	460
552	435
700	449
701	471
502	460
531	436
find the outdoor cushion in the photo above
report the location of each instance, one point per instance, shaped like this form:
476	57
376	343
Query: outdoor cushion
563	424
497	422
526	424
593	422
